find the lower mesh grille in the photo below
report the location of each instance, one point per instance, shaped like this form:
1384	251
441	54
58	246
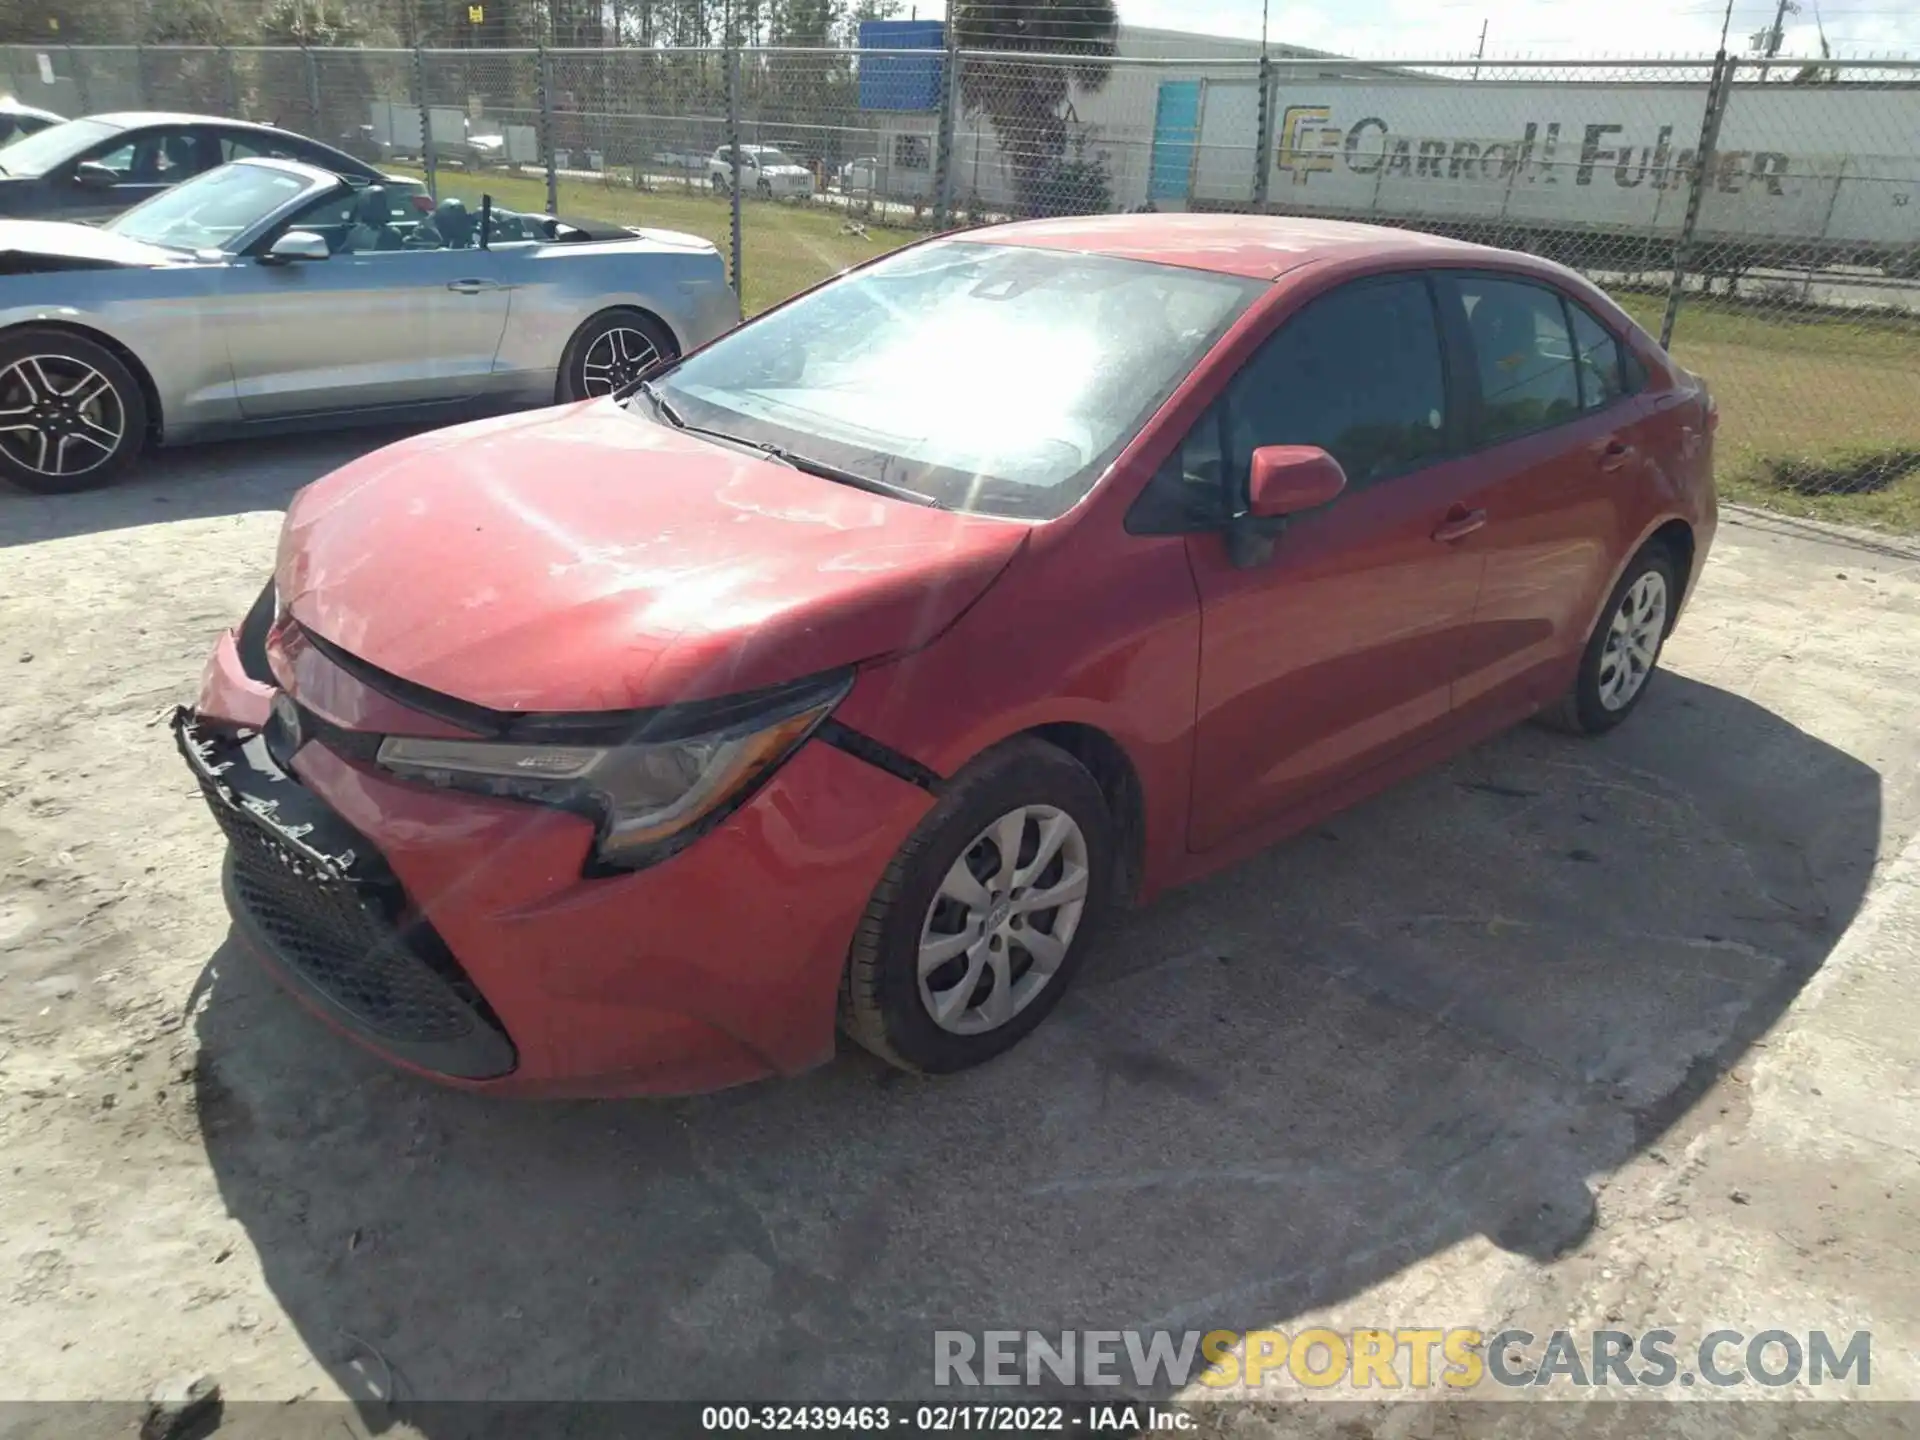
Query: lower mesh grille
322	927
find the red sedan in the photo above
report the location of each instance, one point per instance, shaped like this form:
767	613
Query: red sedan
844	672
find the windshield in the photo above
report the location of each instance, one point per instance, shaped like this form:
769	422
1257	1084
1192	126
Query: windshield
770	157
988	378
38	153
206	212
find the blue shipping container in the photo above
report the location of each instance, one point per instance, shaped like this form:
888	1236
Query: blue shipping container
902	82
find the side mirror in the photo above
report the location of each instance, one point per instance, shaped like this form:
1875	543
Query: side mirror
296	245
92	175
1287	479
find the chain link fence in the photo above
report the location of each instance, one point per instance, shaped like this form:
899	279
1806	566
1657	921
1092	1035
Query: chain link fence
1763	220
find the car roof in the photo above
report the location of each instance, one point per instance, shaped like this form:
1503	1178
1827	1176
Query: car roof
1261	247
10	105
133	119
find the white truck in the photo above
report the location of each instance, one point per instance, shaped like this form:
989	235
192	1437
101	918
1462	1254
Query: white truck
1589	173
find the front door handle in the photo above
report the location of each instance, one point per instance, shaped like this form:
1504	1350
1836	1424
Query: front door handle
1616	454
1460	523
472	287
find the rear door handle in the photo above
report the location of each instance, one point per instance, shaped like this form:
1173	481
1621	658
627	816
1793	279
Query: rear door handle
1616	454
1460	523
472	287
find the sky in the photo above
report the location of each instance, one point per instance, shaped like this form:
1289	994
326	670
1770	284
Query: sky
1602	29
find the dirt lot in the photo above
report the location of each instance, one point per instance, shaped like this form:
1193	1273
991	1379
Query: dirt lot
1562	1035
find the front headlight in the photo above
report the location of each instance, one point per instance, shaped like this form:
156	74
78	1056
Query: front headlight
653	789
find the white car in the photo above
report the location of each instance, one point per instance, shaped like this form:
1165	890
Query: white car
764	171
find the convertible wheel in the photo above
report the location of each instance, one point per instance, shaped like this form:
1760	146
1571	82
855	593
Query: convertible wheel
977	925
613	350
71	414
1620	657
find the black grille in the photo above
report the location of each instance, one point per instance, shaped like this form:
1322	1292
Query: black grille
321	927
318	898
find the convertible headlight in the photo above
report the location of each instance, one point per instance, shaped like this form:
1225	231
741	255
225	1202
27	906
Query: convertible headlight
651	795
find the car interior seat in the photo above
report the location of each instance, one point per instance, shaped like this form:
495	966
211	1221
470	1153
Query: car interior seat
455	225
180	158
372	227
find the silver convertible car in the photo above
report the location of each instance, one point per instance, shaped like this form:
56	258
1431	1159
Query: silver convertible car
271	295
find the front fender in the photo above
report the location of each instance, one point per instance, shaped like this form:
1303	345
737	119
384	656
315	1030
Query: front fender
1109	641
157	319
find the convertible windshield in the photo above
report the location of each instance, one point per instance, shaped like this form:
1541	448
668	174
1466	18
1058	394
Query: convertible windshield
204	213
988	378
37	154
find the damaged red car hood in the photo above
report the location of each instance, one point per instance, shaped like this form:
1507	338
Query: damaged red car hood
588	559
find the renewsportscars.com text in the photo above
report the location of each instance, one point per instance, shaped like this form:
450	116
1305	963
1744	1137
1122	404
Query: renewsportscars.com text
1454	1359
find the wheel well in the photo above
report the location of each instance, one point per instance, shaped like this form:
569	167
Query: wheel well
148	390
566	357
1676	538
1101	754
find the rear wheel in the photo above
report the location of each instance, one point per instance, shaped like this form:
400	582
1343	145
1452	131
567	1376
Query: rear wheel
612	350
979	923
1618	663
72	416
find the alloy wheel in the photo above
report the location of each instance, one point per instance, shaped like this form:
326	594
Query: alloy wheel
59	417
1633	640
617	358
1002	920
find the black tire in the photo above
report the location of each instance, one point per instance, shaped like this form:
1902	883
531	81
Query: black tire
718	184
62	356
881	1007
1584	710
573	382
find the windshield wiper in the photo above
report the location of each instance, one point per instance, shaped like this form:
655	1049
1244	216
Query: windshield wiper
803	463
672	416
810	466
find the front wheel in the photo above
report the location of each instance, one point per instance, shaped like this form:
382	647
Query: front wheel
1619	660
611	351
975	930
72	416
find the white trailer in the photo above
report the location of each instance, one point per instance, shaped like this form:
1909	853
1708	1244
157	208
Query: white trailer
1592	173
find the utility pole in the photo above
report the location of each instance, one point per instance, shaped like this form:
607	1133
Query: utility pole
1768	42
1481	53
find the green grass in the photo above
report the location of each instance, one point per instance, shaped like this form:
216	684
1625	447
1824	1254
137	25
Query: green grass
1819	411
785	247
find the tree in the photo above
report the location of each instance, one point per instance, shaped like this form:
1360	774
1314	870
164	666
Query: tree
1025	101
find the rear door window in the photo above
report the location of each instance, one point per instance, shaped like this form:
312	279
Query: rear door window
1597	357
1523	356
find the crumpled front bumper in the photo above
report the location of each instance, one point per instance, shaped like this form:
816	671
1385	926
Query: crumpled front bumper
317	901
717	966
